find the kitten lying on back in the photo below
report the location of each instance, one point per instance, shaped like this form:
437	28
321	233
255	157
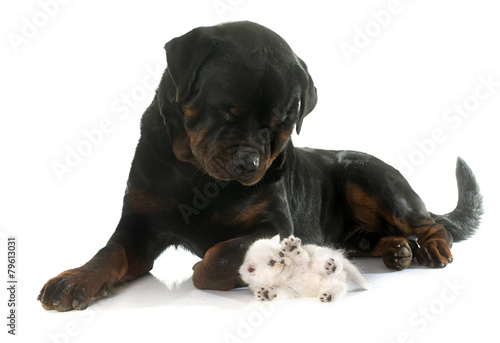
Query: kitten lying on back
275	270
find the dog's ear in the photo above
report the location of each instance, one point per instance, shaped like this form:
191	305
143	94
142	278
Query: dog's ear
308	98
185	55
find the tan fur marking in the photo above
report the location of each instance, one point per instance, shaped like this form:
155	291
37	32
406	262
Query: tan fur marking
145	202
367	209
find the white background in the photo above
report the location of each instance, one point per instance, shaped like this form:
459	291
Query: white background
69	68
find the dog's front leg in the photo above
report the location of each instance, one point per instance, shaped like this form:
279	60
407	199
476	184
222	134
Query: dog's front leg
129	253
76	288
219	269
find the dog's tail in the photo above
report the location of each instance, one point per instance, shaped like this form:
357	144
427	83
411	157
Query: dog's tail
464	220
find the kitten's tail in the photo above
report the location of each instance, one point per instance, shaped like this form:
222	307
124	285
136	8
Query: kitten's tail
355	275
464	220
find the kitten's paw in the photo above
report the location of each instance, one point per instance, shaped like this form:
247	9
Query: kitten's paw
266	294
336	291
291	244
326	297
330	266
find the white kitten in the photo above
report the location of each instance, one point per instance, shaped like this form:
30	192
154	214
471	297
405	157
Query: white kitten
275	270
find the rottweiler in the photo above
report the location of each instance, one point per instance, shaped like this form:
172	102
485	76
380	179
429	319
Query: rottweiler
215	170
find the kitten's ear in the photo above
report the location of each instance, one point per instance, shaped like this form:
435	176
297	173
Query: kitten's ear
251	268
276	239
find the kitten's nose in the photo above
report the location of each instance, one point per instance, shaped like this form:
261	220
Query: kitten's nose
282	262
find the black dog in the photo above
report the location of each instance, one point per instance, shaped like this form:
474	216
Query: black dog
215	170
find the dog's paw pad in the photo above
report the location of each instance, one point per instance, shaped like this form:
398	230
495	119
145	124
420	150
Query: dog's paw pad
398	255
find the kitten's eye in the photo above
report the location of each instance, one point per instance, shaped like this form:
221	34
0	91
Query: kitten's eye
271	263
281	254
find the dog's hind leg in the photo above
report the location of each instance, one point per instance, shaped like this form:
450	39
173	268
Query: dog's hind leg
380	226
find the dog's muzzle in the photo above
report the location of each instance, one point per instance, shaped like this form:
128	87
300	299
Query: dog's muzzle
245	162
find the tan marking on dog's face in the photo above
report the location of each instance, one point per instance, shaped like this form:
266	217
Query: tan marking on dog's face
190	111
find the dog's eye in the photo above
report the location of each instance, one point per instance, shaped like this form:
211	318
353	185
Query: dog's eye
281	254
228	112
272	262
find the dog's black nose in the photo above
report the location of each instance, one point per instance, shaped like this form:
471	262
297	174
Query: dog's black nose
245	162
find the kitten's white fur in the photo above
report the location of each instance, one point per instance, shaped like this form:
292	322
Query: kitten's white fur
282	270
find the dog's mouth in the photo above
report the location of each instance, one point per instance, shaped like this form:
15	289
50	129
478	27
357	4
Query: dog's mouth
246	162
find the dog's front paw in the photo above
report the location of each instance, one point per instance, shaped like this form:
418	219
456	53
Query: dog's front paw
72	289
434	253
266	294
291	245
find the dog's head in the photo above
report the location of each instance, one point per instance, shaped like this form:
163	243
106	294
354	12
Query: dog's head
238	91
